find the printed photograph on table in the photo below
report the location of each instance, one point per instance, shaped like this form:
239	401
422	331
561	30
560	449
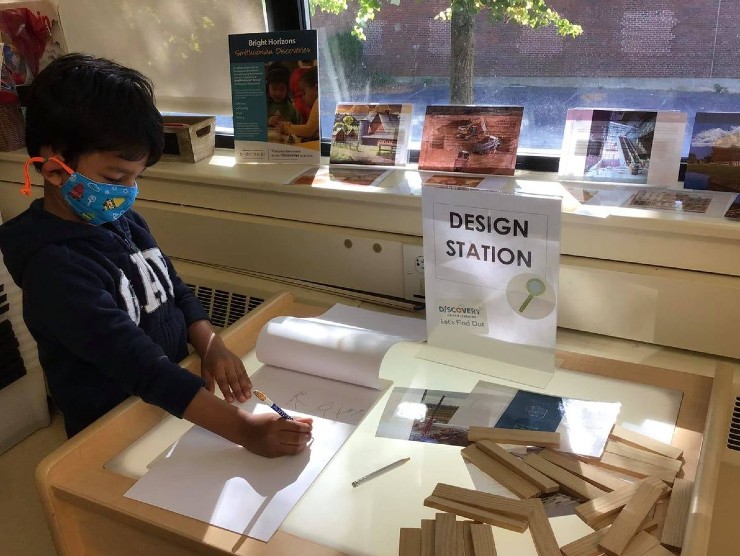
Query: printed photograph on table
422	415
274	92
733	212
372	134
331	176
453	180
678	201
584	425
629	146
714	155
475	139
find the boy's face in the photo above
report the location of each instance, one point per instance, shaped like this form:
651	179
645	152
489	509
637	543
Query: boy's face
108	167
277	91
103	167
310	93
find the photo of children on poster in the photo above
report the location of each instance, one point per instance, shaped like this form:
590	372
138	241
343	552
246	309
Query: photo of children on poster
475	139
275	89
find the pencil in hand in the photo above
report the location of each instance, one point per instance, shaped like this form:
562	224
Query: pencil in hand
275	407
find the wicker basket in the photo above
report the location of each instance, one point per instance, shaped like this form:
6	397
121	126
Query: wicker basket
12	128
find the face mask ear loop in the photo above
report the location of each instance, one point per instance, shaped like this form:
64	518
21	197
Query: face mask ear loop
27	175
27	182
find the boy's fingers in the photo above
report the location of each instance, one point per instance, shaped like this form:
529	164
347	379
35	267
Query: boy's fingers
223	385
246	385
235	384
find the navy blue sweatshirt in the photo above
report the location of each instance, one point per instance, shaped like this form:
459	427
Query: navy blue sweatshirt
107	310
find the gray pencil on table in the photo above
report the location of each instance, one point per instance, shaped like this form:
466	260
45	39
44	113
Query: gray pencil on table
379	471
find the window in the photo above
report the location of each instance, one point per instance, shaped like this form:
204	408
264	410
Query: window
661	55
181	46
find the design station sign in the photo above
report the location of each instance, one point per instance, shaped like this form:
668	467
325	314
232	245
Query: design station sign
491	281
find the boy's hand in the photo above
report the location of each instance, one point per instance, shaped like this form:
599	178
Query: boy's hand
271	436
220	366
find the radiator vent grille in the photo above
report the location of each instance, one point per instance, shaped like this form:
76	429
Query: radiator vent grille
224	308
733	438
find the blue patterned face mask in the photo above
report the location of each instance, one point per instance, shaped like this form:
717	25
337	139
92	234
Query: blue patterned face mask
94	202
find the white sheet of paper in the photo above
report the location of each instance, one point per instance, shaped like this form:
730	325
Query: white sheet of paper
323	348
316	396
408	328
213	480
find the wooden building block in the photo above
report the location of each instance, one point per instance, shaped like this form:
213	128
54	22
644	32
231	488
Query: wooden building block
636	468
484	500
589	545
645	442
585	546
595	512
627	524
483	543
427	537
678	513
659	550
602	479
477	514
658	460
445	534
515	483
409	543
520	437
464	539
542	534
640	543
570	483
543	482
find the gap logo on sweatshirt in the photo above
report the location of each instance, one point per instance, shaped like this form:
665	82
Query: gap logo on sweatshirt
154	277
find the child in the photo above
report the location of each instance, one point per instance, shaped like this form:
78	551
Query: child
106	307
310	87
295	88
279	106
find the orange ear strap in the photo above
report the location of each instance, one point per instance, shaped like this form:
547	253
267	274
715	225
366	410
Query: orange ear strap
27	181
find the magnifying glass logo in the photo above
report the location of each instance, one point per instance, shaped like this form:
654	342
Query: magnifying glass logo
535	287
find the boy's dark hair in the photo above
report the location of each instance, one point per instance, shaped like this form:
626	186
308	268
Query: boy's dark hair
81	104
311	77
278	75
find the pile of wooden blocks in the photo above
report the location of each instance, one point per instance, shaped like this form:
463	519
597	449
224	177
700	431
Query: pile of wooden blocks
621	512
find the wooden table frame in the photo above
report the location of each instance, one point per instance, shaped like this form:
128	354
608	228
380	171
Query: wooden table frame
88	513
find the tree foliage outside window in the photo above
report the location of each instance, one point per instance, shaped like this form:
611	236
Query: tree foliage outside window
461	14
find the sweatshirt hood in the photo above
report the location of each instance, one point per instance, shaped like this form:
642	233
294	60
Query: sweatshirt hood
33	230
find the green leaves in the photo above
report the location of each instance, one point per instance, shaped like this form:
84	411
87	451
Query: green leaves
528	13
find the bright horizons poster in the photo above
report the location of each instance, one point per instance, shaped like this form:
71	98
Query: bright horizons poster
269	73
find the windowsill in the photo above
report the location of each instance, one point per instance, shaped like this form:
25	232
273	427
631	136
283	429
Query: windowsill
661	238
